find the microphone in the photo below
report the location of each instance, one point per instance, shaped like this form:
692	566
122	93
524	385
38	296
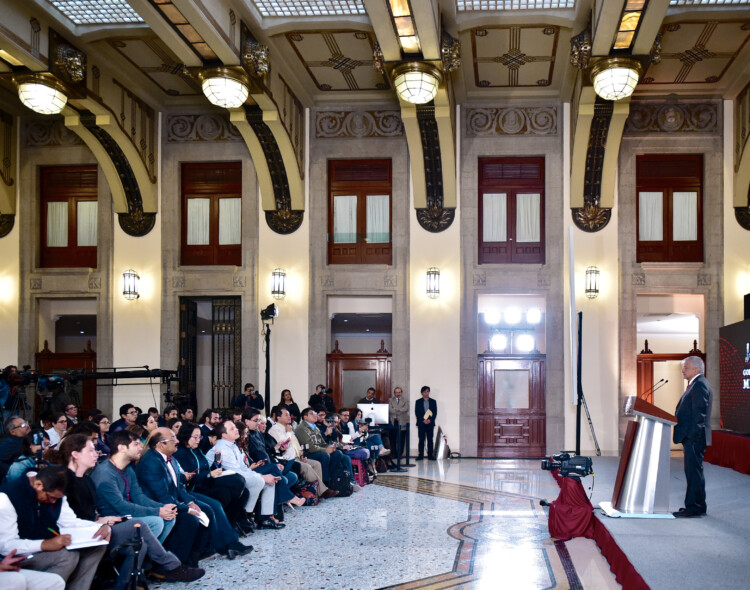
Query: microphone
662	385
650	389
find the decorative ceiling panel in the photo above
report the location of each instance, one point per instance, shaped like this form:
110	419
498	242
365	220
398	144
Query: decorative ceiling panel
697	52
338	60
512	56
151	56
97	12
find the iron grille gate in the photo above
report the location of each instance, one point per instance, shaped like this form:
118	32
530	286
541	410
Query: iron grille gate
226	351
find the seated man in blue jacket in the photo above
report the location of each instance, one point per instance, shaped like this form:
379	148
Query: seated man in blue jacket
160	478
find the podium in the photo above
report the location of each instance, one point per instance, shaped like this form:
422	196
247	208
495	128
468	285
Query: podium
642	484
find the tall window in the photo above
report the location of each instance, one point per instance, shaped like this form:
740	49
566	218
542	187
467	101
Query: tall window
511	210
68	217
212	213
359	212
669	208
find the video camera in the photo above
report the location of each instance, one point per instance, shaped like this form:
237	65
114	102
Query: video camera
569	466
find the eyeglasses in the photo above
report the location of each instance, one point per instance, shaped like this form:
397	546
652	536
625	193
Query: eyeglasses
132	411
197	436
21	425
166	440
63	421
104	422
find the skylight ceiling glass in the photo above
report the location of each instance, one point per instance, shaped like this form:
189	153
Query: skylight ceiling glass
708	2
309	7
97	12
466	5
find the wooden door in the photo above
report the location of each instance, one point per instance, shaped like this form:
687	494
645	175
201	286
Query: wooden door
349	375
82	393
512	414
188	347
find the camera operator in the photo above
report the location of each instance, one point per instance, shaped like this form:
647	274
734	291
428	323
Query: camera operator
7	391
33	447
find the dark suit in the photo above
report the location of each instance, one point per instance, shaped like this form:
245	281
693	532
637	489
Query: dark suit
693	430
425	430
188	537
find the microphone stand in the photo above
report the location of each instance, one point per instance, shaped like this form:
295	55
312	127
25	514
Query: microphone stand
137	580
651	389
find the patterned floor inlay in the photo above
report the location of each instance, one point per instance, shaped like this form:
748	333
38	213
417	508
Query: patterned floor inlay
504	543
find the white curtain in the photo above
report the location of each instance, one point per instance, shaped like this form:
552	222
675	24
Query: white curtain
528	219
345	219
378	218
198	221
650	217
685	216
494	217
57	224
230	221
86	223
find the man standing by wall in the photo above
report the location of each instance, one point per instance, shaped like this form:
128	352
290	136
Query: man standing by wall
398	415
693	430
426	411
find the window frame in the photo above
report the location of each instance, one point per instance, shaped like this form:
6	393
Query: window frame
360	178
71	184
689	179
225	184
509	251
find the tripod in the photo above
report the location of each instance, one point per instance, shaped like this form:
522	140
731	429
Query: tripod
137	579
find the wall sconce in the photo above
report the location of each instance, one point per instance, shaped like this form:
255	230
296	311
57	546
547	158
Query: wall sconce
592	282
130	285
278	285
433	283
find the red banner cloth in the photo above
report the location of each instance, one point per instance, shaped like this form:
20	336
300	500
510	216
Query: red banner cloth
571	515
729	450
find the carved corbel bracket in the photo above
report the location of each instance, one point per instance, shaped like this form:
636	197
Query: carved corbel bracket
580	48
7	221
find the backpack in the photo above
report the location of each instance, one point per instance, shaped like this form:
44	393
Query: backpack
341	480
309	492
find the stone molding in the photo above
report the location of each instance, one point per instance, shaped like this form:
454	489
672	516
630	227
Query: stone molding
673	117
491	122
49	132
358	124
213	127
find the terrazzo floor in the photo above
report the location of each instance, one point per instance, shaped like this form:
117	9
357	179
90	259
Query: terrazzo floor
448	524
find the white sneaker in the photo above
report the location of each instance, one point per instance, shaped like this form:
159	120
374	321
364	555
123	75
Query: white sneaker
384	452
356	487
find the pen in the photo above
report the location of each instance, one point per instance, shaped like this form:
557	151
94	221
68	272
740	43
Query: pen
53	531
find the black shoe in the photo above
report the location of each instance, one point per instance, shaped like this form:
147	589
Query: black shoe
420	458
180	574
329	493
267	523
687	514
245	526
240	548
432	458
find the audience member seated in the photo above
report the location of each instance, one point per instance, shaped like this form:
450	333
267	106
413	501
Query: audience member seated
33	508
263	486
33	446
315	446
160	477
229	490
174	424
168	413
268	463
369	398
93	413
147	422
59	426
209	419
16	428
249	398
310	469
287	402
78	453
103	423
118	491
128	414
71	413
327	426
139	431
360	431
12	577
187	414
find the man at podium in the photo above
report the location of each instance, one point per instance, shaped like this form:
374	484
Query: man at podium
693	430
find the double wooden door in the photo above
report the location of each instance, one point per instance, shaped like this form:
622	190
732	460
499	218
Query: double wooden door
512	414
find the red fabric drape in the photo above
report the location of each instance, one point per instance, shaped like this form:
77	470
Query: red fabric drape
729	450
571	515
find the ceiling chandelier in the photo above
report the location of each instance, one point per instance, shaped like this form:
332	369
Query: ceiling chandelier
225	87
41	92
416	82
615	78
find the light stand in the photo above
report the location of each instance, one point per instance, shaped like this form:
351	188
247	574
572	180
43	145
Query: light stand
266	316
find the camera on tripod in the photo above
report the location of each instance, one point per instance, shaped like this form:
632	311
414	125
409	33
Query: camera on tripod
569	466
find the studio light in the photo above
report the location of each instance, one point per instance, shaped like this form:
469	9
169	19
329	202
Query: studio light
433	283
533	315
524	342
492	316
130	285
225	87
41	92
512	315
498	343
278	286
615	78
592	282
416	82
270	312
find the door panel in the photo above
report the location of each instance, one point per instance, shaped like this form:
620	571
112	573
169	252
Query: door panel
349	372
512	415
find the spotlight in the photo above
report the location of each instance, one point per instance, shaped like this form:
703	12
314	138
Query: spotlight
512	315
498	343
533	315
270	312
492	316
524	342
